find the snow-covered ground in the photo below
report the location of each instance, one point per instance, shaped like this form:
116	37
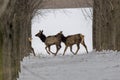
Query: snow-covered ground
93	66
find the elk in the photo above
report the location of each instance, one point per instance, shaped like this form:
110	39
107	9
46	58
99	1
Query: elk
70	40
50	40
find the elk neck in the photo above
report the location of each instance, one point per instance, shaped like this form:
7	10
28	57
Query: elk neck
64	39
42	37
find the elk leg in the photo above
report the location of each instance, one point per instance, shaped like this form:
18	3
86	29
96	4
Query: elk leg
33	51
78	47
58	48
65	50
47	50
50	50
83	43
71	49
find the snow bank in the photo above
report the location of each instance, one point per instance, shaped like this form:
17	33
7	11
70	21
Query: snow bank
103	65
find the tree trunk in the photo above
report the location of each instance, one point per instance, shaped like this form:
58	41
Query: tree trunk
15	29
106	25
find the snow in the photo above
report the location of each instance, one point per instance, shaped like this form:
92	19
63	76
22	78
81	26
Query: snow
103	65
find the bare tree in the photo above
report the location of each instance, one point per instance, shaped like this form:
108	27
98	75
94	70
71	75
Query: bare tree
15	29
106	24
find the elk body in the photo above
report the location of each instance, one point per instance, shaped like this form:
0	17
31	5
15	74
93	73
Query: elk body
50	40
70	40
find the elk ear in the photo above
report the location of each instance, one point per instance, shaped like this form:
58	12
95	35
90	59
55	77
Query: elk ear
61	32
42	31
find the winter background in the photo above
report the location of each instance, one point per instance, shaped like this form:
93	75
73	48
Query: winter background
70	21
104	65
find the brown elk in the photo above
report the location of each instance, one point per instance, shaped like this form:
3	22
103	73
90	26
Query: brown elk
70	40
50	40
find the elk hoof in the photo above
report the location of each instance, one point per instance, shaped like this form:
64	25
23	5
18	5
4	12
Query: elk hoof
55	54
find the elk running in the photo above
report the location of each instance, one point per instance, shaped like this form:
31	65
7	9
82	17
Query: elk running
51	40
70	40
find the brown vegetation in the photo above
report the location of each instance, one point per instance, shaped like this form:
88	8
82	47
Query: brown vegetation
55	4
31	49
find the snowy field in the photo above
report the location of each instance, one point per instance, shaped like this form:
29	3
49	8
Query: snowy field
93	66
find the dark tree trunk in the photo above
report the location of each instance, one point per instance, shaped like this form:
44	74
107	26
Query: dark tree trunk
15	29
106	25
